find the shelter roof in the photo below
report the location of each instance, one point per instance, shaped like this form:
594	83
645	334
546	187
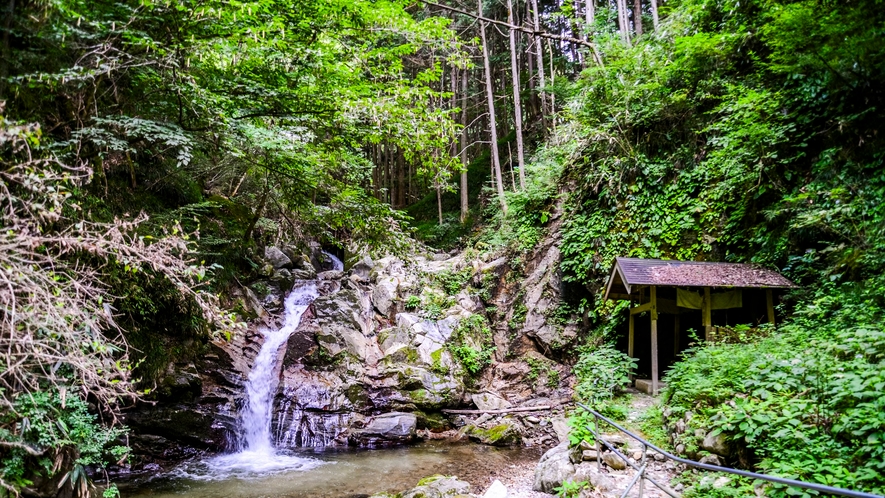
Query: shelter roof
629	272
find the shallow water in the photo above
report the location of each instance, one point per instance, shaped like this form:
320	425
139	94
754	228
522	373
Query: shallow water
338	474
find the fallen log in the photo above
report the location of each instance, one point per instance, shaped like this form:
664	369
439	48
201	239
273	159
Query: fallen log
506	410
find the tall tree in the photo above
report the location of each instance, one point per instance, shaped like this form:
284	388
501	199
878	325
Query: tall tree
589	16
539	43
654	13
637	16
517	103
623	21
493	131
464	201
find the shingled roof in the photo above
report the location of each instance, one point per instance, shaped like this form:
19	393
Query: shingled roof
628	272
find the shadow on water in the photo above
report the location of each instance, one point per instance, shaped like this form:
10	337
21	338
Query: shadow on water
331	473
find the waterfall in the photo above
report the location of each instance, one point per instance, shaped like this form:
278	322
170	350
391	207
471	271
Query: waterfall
262	384
257	455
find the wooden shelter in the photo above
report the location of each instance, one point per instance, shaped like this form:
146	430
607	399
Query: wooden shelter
687	285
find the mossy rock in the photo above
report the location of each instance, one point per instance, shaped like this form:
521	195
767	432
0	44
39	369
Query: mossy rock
433	421
499	435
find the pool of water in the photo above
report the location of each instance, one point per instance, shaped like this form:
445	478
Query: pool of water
334	473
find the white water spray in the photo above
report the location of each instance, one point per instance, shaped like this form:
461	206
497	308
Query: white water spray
262	383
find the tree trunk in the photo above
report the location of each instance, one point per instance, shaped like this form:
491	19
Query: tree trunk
637	16
590	17
401	183
623	22
517	100
654	13
496	160
465	208
540	54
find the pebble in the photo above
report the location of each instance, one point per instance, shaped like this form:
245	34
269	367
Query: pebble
533	419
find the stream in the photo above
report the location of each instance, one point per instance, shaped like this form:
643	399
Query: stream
337	473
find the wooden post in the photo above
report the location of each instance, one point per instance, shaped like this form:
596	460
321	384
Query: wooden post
654	341
675	335
769	300
630	340
708	320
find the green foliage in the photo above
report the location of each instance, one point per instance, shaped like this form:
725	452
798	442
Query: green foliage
453	282
50	423
651	424
600	372
580	424
807	400
471	344
570	489
412	302
539	366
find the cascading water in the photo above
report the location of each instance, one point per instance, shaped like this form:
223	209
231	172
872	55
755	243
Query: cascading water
261	384
257	455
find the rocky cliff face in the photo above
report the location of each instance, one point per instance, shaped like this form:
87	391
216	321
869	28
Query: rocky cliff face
386	337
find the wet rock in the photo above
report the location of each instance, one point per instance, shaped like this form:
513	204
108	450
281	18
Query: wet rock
277	258
330	275
386	429
553	469
715	443
438	486
489	401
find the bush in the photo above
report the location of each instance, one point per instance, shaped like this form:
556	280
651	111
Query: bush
600	372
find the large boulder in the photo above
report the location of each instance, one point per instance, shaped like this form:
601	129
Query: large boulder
553	469
340	324
438	486
276	257
386	429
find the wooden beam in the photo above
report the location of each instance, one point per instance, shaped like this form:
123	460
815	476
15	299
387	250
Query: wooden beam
630	340
708	317
507	410
654	342
642	308
769	301
675	335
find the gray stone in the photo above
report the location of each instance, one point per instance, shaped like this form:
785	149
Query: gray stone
438	486
393	427
712	460
384	294
615	439
699	433
589	472
680	449
553	469
613	461
532	419
659	457
715	444
330	275
589	455
721	482
277	258
496	490
680	426
561	427
490	401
